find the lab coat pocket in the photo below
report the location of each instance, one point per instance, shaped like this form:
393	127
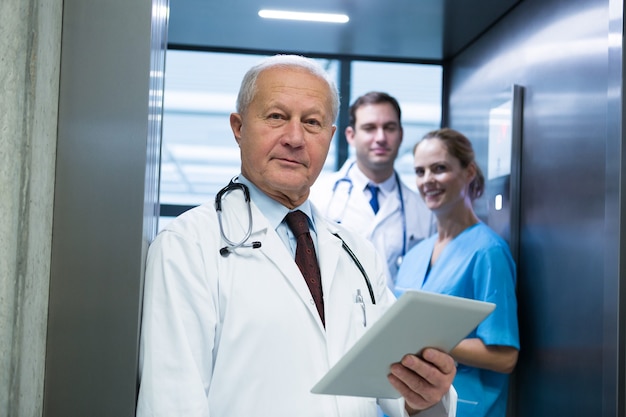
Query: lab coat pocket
364	315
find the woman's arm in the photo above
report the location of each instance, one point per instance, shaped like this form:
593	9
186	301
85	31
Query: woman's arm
473	352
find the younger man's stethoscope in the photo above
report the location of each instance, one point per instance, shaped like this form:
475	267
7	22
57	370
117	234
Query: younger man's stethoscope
231	245
345	183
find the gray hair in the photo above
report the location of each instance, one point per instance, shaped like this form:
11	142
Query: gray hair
248	84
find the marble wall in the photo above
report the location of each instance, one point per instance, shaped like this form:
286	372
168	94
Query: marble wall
29	81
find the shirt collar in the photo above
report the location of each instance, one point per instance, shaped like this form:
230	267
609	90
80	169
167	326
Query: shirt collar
272	209
360	181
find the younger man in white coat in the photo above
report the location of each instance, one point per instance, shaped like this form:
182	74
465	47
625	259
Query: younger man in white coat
402	219
229	326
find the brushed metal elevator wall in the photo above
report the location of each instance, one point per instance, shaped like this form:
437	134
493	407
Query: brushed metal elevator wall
571	360
105	203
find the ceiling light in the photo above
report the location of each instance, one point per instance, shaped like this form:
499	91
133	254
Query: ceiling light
312	17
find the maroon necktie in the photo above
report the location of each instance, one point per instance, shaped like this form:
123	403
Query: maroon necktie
306	259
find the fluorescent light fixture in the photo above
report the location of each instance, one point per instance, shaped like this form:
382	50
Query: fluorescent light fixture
311	17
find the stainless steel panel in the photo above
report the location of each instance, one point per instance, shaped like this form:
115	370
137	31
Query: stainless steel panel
569	266
105	202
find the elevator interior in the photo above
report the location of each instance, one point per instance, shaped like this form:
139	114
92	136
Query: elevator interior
566	55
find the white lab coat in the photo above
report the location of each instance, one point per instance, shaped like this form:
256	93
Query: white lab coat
384	229
240	335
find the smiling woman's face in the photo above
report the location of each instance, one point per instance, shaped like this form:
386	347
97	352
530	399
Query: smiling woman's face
441	180
285	134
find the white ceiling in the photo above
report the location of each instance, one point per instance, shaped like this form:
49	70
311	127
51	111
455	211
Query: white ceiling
426	30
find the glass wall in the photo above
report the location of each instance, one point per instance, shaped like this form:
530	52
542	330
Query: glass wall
418	89
199	152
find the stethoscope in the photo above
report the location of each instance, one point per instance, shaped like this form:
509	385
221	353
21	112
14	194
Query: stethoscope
231	245
346	183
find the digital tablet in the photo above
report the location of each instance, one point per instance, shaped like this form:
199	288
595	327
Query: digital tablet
417	320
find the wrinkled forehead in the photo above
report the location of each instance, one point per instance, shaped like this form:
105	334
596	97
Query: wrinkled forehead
292	75
294	81
311	71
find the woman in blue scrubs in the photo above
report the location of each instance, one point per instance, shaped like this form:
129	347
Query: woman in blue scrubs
465	258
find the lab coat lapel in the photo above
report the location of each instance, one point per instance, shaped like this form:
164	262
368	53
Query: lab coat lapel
329	248
276	252
389	207
359	214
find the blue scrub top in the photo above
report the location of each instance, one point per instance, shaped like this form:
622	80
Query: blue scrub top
477	264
